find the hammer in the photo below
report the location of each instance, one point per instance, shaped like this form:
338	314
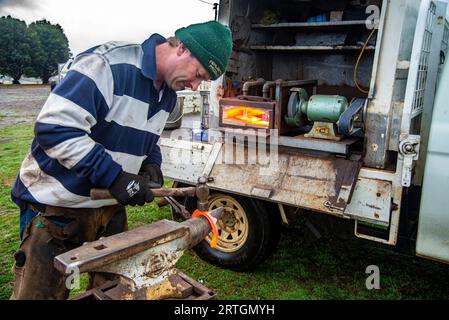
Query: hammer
201	191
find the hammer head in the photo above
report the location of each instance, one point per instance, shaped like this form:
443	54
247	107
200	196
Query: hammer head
202	193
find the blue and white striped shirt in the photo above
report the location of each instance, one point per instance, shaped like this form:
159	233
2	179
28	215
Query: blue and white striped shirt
104	117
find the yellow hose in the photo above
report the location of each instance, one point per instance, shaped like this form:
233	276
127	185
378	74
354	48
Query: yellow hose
358	61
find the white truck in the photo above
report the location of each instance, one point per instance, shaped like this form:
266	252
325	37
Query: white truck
331	111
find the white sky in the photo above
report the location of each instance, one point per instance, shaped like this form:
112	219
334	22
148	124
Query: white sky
87	23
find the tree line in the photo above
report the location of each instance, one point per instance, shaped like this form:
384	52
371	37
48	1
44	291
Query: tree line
31	50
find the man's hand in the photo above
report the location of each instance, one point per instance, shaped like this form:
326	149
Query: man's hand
131	189
153	174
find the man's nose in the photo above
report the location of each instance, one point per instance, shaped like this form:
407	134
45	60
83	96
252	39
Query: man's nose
195	84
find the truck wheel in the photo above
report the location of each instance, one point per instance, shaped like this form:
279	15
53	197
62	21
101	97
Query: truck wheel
248	232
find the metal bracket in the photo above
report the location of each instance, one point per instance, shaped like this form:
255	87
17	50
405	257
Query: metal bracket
331	207
409	150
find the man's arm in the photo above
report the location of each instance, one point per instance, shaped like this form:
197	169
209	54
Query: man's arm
151	168
72	109
155	157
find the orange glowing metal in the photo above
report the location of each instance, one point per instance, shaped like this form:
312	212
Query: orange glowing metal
212	222
248	115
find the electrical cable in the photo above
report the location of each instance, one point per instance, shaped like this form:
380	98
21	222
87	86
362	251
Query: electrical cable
215	7
358	61
206	2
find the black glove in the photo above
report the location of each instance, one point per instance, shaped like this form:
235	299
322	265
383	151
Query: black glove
153	174
131	189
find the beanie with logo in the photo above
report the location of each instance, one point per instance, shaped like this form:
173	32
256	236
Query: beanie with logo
209	42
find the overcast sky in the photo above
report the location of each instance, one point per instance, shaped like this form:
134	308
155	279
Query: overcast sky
90	22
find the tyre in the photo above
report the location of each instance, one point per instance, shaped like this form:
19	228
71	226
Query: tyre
175	118
248	232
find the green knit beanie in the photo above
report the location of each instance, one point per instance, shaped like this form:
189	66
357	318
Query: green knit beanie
210	42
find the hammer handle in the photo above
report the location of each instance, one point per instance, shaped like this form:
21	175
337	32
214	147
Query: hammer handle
103	194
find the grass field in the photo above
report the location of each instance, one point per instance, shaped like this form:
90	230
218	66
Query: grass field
299	269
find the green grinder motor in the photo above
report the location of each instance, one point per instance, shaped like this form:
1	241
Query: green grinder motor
323	110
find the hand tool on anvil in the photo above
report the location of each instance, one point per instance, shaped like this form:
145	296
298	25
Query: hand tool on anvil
145	258
103	194
177	207
201	191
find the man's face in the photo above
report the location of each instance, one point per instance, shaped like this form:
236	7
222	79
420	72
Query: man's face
185	71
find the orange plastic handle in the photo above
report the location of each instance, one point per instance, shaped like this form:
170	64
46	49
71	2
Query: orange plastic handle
209	218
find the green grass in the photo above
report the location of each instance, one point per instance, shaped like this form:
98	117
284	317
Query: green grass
299	270
14	144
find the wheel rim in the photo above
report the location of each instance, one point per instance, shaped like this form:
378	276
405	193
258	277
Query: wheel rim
233	225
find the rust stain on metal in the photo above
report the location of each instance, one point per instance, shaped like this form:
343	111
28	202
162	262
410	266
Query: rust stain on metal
382	189
161	291
316	169
160	262
157	264
310	178
171	287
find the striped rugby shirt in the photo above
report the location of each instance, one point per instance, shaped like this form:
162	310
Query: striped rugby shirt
104	117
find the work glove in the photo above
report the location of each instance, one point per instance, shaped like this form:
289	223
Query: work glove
153	174
131	189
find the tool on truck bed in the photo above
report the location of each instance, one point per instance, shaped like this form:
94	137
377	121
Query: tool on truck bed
145	258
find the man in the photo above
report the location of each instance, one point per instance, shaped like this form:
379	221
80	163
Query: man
99	128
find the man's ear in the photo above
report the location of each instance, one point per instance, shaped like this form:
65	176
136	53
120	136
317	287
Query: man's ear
181	49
